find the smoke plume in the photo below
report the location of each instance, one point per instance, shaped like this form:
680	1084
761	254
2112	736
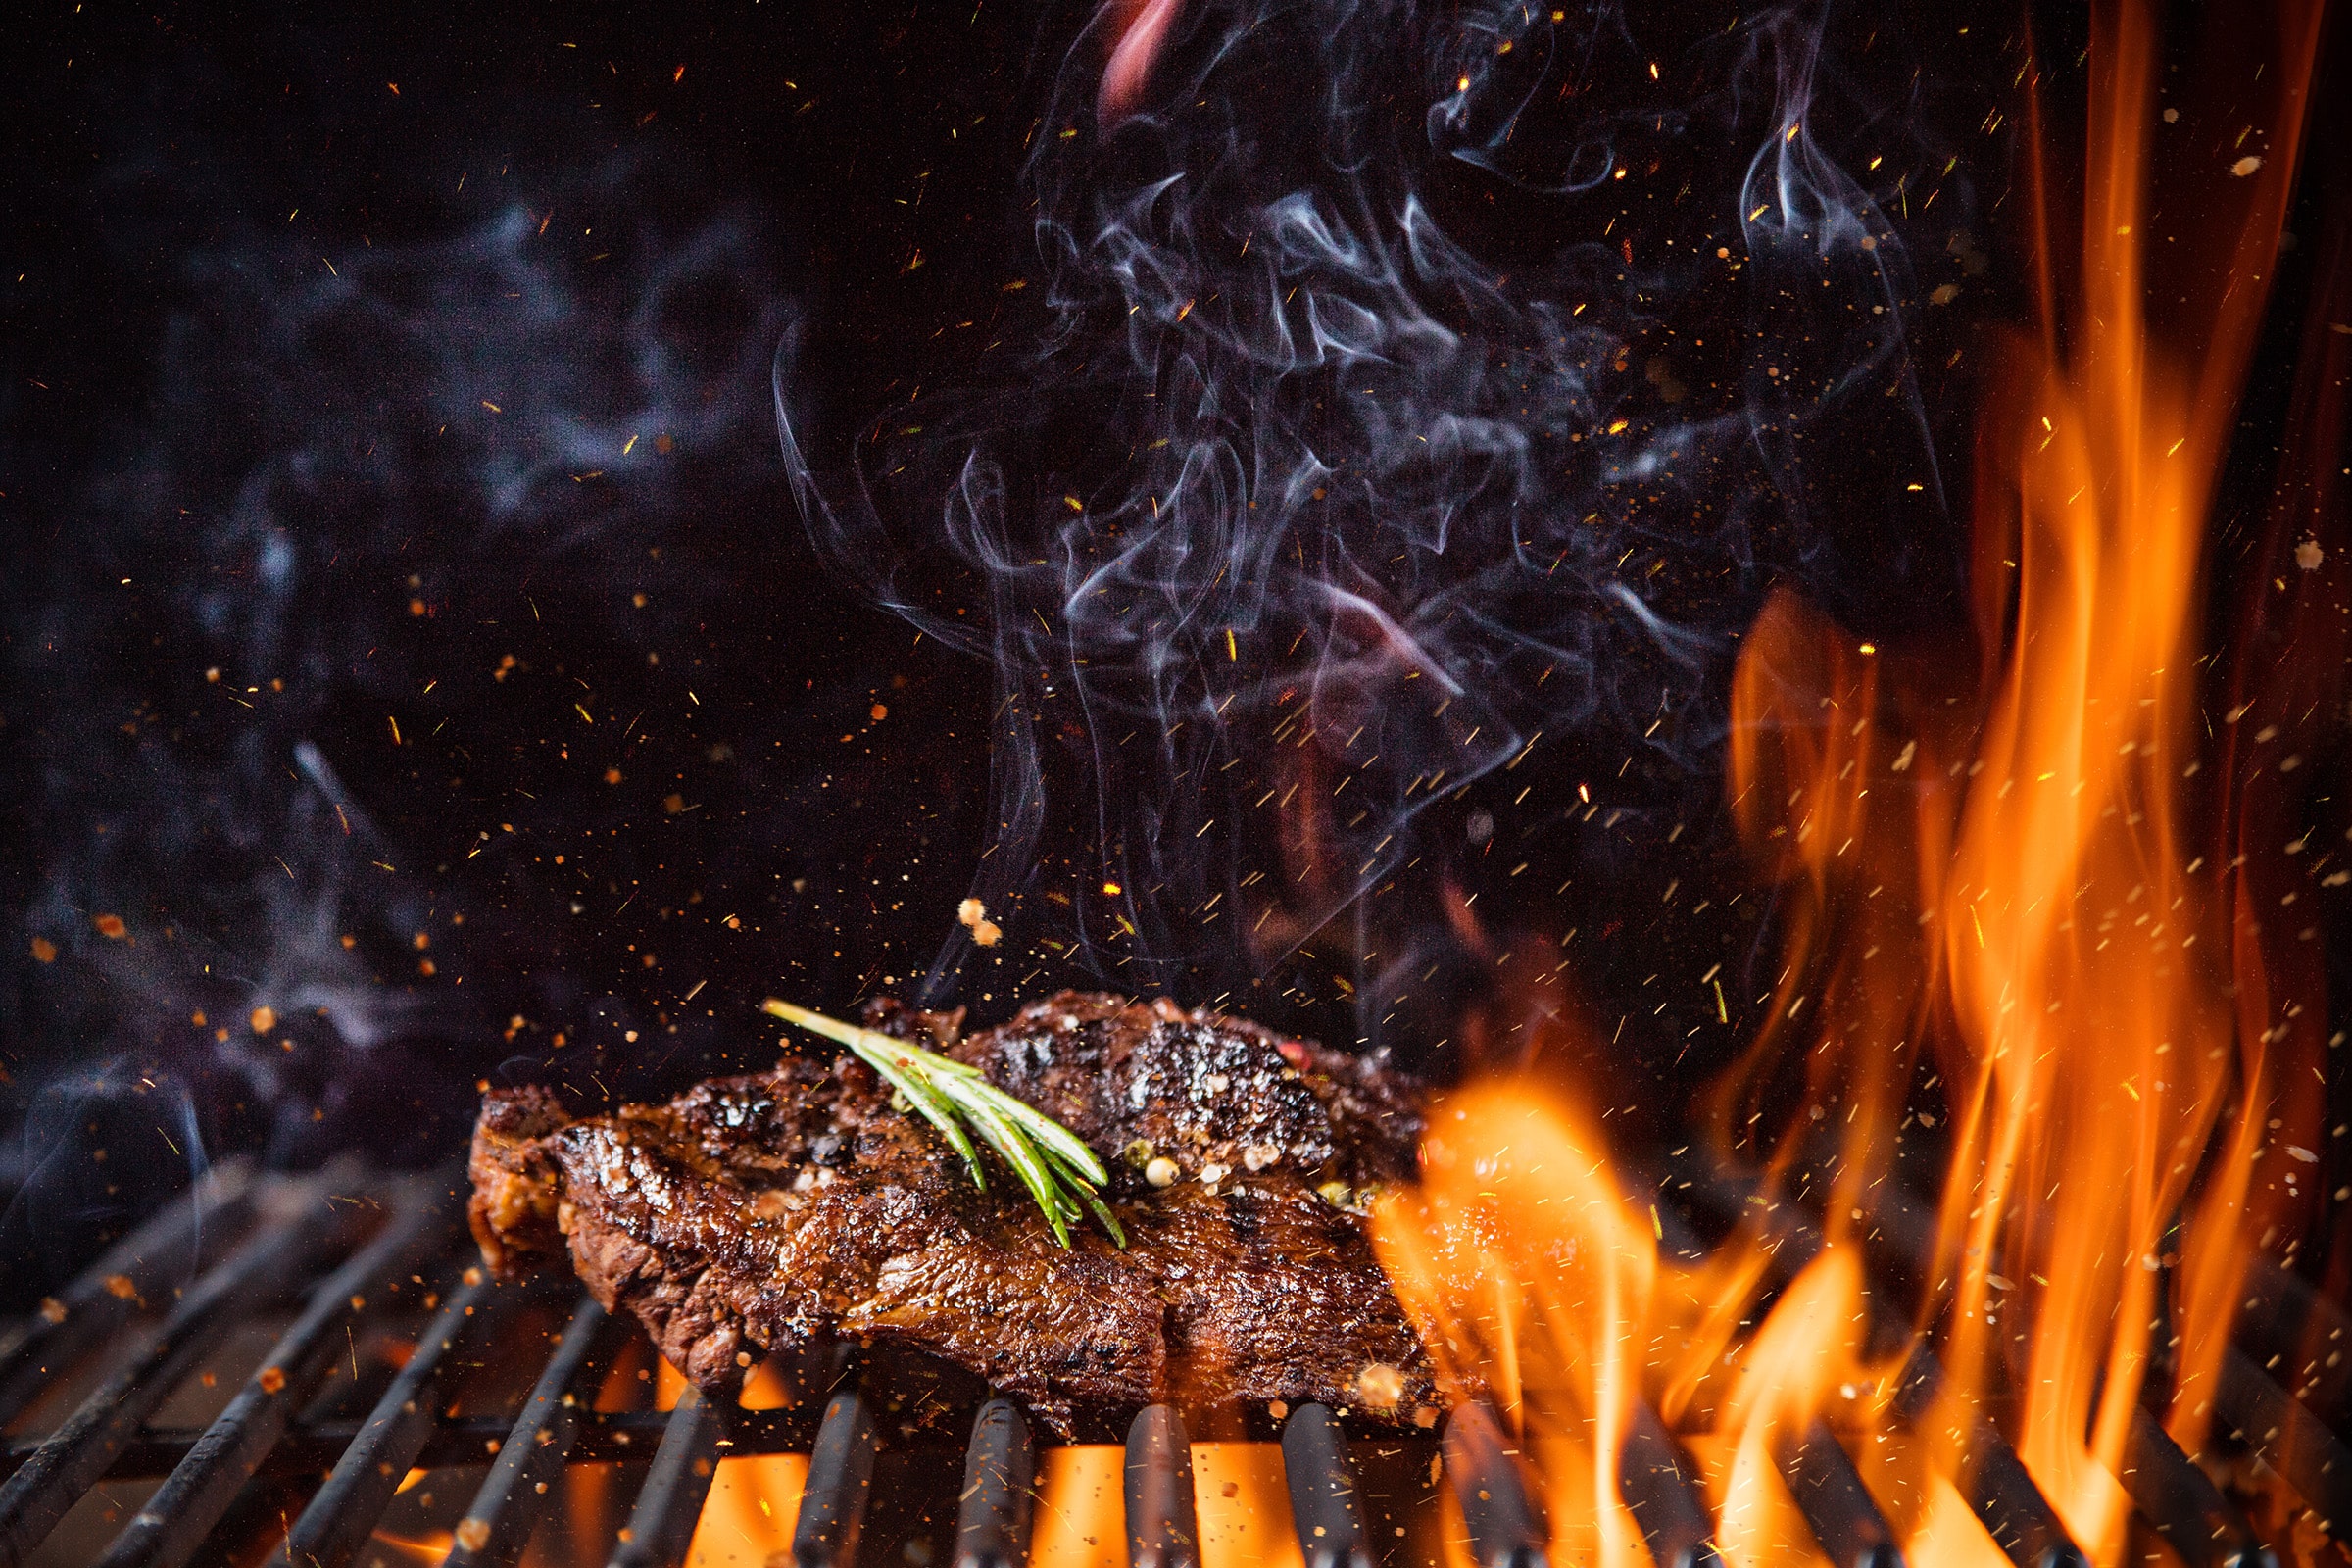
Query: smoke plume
1401	405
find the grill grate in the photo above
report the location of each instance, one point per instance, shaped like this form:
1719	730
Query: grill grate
1164	1528
662	1525
841	1477
397	1433
108	1352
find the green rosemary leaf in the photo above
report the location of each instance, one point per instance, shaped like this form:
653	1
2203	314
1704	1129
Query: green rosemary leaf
1023	1158
1102	1213
1077	1183
936	1109
1047	1131
848	1034
902	1065
1060	1172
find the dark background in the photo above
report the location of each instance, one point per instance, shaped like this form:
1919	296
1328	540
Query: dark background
354	672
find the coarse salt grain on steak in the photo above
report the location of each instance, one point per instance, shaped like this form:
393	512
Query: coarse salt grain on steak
797	1207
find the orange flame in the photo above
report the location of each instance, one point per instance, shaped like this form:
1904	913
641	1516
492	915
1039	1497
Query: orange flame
2011	952
747	1520
1243	1507
2107	1107
430	1548
1081	1517
747	1517
1526	1271
1143	29
1809	1345
1537	1284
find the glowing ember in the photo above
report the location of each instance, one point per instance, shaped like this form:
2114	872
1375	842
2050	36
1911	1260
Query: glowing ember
430	1548
747	1520
1081	1517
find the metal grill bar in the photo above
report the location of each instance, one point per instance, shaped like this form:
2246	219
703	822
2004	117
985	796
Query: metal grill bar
1659	1483
337	1523
2183	1506
2168	1489
2291	1439
73	1459
101	1299
257	1437
1821	1477
2281	1320
1322	1482
498	1522
2175	1497
1834	1501
1996	1483
841	1482
1507	1528
1659	1493
314	1447
1163	1530
2287	1325
660	1526
167	1530
1000	1474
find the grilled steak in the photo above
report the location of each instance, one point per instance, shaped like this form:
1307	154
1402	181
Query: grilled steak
794	1208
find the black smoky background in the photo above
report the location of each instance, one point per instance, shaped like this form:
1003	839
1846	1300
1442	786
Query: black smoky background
425	664
1361	483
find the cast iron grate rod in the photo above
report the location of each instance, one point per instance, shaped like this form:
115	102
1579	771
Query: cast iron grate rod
2170	1491
258	1435
142	1266
70	1459
168	1528
531	1456
669	1505
1837	1505
345	1511
841	1482
2291	1439
1828	1491
1163	1527
315	1448
1324	1507
994	1515
1660	1488
2181	1502
2289	1326
2008	1504
1507	1528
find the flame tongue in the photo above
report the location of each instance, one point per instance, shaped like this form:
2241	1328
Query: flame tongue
2013	882
1143	30
2091	1048
1526	1272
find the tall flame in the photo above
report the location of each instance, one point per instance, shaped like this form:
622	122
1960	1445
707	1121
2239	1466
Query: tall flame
2016	964
1528	1275
2107	1107
2107	1111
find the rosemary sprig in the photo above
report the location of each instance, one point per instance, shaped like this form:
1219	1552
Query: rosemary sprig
1060	1172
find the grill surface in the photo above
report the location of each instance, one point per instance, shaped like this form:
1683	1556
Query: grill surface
391	1353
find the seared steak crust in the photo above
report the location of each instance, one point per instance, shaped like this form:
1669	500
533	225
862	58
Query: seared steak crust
794	1208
